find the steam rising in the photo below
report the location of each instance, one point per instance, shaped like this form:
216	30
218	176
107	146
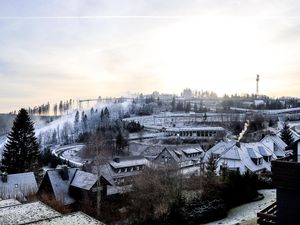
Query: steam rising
246	125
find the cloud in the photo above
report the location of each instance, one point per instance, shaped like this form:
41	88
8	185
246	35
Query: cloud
76	48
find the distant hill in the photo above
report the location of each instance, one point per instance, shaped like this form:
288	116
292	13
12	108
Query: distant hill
6	121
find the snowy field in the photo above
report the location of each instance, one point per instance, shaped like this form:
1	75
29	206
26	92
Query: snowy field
248	211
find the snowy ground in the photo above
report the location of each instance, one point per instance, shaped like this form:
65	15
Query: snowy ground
247	211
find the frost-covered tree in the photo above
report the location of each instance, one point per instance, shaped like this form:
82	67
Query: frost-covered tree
76	123
21	153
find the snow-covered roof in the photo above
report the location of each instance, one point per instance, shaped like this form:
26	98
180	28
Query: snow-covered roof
191	151
275	144
78	218
241	155
9	202
26	213
253	154
18	185
276	140
232	153
177	154
129	162
61	187
263	151
220	148
84	180
174	129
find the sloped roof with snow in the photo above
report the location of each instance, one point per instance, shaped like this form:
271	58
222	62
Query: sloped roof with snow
263	151
182	155
61	187
26	213
276	144
240	155
78	218
232	153
220	148
253	153
84	180
9	202
191	151
18	185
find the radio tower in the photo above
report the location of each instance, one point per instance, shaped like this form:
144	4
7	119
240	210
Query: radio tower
257	85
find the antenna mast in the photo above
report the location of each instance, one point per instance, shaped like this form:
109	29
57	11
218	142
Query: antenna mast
257	85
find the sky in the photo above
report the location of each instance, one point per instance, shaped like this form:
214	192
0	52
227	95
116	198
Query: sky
54	49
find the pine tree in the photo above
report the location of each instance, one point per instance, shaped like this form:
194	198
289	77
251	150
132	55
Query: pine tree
121	142
211	166
21	153
286	134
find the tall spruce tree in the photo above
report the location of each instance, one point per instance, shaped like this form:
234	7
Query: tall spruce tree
286	134
21	152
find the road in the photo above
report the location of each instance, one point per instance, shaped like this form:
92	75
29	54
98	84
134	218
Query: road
247	211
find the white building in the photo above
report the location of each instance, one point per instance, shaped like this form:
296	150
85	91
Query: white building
255	157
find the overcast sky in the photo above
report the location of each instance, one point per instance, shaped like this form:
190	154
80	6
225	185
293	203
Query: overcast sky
60	49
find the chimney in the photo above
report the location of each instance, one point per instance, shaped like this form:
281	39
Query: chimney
117	159
64	172
4	177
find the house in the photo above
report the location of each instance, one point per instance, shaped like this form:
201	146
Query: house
120	172
69	185
18	186
84	186
186	159
275	144
56	182
124	169
255	157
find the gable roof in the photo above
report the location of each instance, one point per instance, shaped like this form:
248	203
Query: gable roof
60	187
84	180
181	155
232	153
18	186
242	154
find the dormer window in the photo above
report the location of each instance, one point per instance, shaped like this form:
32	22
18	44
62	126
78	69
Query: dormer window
267	158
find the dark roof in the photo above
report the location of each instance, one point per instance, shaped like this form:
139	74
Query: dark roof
84	180
18	186
60	187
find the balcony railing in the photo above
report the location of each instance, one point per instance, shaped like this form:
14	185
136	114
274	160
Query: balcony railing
268	215
286	173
